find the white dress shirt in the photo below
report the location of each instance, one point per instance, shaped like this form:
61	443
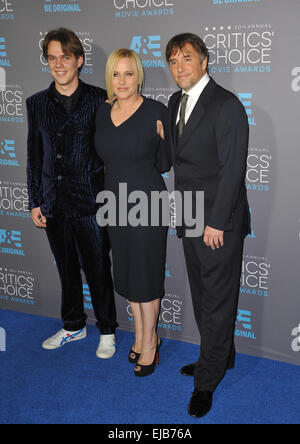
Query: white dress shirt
194	95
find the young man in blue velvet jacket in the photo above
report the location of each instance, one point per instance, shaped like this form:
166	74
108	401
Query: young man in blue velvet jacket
64	177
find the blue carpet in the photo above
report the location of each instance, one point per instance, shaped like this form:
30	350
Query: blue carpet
72	386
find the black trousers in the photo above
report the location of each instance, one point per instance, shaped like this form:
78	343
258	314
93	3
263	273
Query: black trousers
81	244
214	277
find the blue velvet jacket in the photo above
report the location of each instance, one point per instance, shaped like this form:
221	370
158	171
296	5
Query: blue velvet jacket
64	173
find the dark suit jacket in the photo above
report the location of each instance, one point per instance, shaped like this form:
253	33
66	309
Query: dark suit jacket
64	174
211	156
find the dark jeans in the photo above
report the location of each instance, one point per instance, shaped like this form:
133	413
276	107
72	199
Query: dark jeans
81	244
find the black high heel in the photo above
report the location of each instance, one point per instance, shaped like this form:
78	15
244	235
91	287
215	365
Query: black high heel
146	370
133	360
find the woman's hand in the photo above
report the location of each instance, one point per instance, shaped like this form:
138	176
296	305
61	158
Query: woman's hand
111	101
160	129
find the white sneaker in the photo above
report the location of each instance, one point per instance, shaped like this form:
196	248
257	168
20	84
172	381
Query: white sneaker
107	347
63	337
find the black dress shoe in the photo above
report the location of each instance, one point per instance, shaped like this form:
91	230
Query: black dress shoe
188	370
200	403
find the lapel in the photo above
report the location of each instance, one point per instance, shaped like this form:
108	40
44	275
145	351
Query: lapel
197	114
83	100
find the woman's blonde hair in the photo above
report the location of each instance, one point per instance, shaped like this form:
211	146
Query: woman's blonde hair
112	62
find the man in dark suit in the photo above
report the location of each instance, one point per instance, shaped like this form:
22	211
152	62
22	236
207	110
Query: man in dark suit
64	177
210	135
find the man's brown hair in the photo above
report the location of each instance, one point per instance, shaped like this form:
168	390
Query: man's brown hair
179	41
69	41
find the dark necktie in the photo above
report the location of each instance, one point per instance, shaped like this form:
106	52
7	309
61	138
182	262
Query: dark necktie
181	123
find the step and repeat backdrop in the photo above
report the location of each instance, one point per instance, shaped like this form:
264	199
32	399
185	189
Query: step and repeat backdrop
254	52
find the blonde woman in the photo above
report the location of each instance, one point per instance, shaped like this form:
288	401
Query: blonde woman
133	142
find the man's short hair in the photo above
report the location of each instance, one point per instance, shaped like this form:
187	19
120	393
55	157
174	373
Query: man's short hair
180	40
69	41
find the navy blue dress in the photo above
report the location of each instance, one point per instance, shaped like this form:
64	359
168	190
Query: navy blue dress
133	153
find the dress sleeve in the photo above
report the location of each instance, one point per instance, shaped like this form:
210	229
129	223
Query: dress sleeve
164	158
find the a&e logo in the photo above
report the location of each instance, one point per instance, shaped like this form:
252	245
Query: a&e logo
87	297
244	325
10	242
167	272
246	99
149	49
8	153
3	52
4	61
144	45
